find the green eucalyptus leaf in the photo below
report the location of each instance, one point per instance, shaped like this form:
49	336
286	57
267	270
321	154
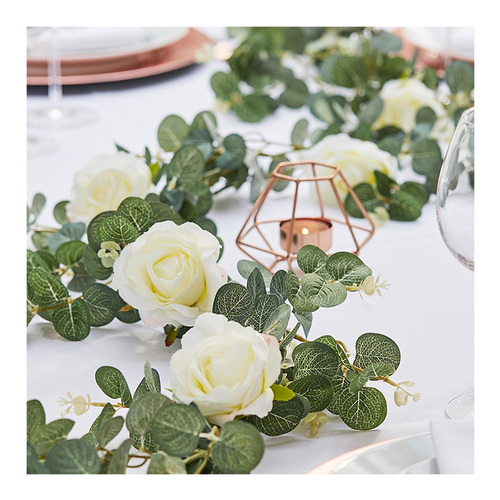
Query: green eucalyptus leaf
331	342
245	268
50	434
46	289
137	211
374	348
34	260
403	206
163	212
109	430
368	198
295	95
171	132
347	268
277	285
234	302
72	321
161	463
106	414
252	108
262	309
120	458
349	71
317	389
92	237
118	229
128	316
417	190
103	303
312	259
70	252
315	358
35	418
459	76
426	156
112	382
224	85
234	154
187	164
371	110
282	419
385	185
59	213
239	449
255	284
75	456
277	322
33	466
299	132
143	410
364	410
295	294
305	320
37	205
323	293
176	429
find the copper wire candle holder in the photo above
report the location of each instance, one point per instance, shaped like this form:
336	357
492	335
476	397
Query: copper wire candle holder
294	230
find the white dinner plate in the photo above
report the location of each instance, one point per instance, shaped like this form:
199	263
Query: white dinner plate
458	41
407	455
83	42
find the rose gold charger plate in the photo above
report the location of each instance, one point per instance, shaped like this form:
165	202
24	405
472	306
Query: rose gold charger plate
121	67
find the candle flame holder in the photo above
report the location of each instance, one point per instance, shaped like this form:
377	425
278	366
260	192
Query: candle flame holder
294	229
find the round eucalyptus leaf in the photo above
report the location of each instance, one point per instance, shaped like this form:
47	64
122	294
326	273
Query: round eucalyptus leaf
239	449
92	237
46	289
262	309
176	429
118	229
426	156
171	132
315	358
187	164
282	419
143	410
109	430
50	434
311	259
234	302
364	410
318	391
74	456
376	348
112	382
137	211
322	293
70	252
103	303
72	321
93	265
347	268
403	206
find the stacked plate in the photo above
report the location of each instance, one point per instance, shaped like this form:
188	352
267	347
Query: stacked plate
93	55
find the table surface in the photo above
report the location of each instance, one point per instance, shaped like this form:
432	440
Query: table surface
428	309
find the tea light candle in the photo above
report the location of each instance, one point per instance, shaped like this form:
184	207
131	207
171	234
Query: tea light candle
306	231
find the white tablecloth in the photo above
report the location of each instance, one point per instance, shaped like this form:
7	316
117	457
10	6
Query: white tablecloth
428	310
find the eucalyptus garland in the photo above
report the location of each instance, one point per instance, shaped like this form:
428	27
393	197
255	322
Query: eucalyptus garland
338	74
176	438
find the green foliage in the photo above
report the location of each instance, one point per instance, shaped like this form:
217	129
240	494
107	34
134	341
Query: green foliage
402	202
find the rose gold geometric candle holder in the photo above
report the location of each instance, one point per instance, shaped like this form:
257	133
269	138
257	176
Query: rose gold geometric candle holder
312	212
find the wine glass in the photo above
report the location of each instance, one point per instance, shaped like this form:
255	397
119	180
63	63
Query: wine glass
57	114
455	215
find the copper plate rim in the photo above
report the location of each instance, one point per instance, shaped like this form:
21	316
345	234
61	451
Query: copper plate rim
195	38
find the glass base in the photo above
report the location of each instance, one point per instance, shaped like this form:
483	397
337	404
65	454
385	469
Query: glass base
60	118
461	407
39	146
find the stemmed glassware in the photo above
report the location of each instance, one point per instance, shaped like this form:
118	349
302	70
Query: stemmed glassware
56	115
455	215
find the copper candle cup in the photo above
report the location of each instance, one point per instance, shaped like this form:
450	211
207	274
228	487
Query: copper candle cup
296	230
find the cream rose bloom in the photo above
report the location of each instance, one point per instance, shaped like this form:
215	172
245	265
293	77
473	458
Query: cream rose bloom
226	369
170	274
402	98
104	182
356	159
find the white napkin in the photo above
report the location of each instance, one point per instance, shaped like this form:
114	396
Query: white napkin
454	445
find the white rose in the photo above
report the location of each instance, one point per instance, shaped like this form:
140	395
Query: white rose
104	182
356	159
170	273
402	99
226	369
